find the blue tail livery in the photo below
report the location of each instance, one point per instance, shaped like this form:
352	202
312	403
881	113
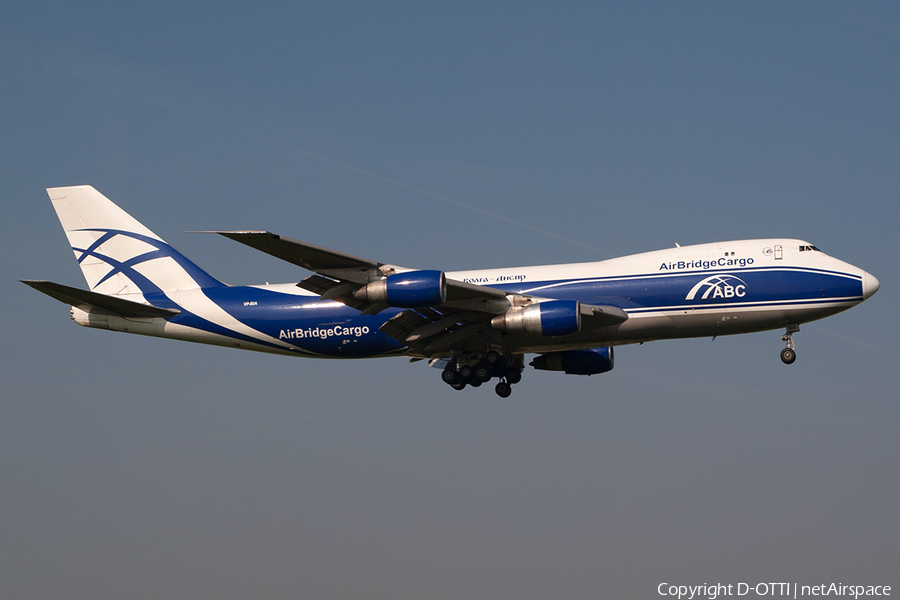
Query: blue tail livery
474	325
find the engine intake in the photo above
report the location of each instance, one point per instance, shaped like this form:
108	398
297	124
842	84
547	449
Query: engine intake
553	318
412	289
577	362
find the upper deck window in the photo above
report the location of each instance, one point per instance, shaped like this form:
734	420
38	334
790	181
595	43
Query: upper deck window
809	249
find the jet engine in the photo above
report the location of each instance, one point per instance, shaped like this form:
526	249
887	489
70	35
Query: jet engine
577	362
553	318
412	289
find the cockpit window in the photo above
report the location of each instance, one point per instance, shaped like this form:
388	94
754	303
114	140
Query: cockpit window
809	249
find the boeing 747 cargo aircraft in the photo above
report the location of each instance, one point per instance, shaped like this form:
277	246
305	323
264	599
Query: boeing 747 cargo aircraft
474	325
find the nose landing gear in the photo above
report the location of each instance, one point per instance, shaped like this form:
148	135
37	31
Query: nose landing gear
789	355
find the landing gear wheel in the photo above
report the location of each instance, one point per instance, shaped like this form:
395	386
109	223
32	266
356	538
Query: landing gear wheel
513	376
503	389
788	356
459	385
476	383
450	376
482	373
492	358
466	373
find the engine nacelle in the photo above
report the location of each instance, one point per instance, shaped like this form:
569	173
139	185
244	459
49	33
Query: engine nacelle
577	362
553	318
412	289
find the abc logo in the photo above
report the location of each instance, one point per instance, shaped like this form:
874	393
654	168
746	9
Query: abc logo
718	286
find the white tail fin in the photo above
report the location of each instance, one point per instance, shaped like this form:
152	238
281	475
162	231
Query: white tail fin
117	254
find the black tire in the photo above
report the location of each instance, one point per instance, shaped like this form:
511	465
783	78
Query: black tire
476	383
788	356
459	385
503	389
466	373
482	373
513	376
492	358
450	376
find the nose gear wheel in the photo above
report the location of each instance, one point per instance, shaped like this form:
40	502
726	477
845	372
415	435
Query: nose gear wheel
789	355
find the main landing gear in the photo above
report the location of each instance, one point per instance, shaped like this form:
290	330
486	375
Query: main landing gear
475	370
788	355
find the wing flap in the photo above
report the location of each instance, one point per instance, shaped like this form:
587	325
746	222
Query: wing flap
400	325
460	290
601	315
430	334
317	284
471	336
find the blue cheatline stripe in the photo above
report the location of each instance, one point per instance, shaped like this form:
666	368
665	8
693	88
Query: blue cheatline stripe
230	303
543	285
770	304
278	311
194	321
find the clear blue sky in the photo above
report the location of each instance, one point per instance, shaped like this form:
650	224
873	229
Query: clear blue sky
448	136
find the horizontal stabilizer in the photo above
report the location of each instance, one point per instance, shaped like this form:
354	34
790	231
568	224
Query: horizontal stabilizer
92	301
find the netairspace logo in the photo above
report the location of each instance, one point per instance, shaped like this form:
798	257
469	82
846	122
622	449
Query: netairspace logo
719	286
783	589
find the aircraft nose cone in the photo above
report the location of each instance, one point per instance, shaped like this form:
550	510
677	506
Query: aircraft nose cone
870	285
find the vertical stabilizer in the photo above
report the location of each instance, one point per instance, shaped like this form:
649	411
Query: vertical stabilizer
116	253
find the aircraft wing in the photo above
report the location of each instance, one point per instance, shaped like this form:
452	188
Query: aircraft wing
461	322
310	257
339	274
435	331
